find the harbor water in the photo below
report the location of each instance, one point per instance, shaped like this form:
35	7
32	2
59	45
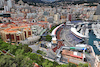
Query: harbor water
92	38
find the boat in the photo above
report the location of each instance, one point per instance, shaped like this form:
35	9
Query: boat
97	44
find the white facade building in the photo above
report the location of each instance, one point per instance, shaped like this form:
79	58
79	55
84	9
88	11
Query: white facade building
6	8
56	17
9	4
1	3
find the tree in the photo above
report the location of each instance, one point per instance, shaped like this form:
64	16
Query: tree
36	58
41	52
19	52
48	38
23	61
64	65
17	61
27	49
83	65
12	48
4	46
7	61
47	63
1	41
26	62
71	65
55	64
52	29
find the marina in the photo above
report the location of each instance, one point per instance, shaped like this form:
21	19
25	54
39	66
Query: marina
91	33
96	43
91	40
96	30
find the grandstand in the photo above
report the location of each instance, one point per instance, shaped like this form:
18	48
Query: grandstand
72	39
73	35
55	36
80	31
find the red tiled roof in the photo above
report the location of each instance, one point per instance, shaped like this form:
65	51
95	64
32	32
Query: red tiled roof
4	26
11	31
43	21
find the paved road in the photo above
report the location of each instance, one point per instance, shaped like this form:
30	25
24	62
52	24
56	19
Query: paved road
90	59
63	36
49	52
34	48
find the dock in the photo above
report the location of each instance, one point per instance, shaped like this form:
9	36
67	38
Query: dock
96	43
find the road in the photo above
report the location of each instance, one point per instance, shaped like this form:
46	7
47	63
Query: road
63	36
34	48
49	52
90	59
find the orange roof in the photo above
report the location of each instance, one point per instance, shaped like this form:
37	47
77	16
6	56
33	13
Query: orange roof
24	26
27	29
12	26
67	52
7	23
7	29
4	26
13	23
12	31
15	27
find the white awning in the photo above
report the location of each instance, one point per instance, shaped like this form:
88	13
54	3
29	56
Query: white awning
77	33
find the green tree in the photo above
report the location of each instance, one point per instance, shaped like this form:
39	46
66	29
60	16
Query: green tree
52	29
71	65
6	61
48	38
64	65
20	46
47	63
12	48
41	52
55	64
83	65
67	65
4	46
1	41
23	61
17	61
19	52
36	58
27	49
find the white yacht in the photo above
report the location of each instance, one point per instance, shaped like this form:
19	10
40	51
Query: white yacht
97	44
